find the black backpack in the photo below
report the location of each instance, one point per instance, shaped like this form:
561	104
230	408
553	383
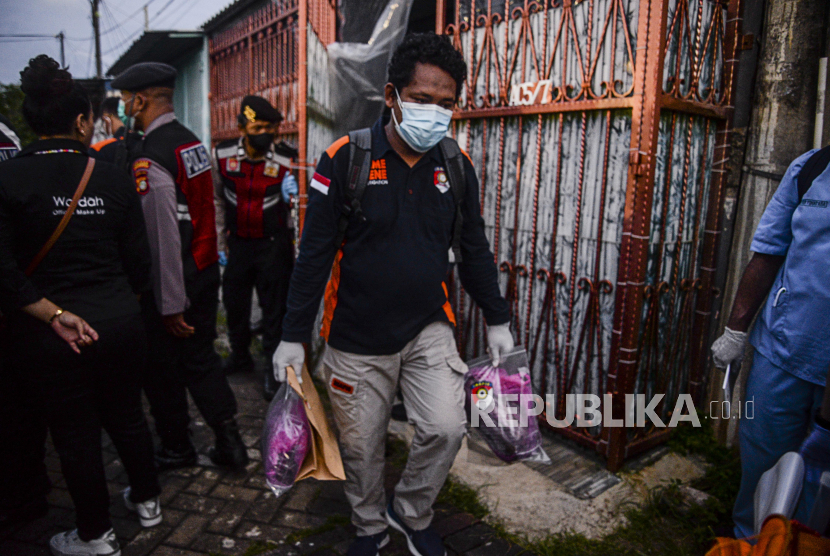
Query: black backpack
360	161
813	168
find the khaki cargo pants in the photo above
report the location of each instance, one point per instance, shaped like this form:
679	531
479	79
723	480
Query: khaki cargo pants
362	388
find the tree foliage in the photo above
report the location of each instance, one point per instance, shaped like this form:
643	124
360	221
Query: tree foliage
11	102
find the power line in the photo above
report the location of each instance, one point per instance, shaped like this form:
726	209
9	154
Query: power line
162	9
183	13
128	18
122	43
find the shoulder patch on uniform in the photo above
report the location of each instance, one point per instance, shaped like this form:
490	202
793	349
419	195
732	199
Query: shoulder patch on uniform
195	160
140	169
332	150
226	152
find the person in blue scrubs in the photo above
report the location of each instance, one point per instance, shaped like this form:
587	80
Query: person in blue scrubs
790	269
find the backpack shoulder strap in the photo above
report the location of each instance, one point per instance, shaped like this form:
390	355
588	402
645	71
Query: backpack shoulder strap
360	161
458	183
813	168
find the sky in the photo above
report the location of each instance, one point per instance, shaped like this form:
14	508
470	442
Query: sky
121	21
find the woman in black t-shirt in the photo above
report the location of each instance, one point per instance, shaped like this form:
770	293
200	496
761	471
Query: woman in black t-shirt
74	323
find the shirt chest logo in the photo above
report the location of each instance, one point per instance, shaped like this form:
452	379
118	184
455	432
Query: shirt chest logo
377	173
195	160
232	164
814	203
272	169
439	178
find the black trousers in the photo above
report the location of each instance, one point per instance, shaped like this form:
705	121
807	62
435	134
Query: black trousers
80	394
176	366
23	478
264	264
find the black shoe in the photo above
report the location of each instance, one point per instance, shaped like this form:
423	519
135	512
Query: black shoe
30	511
229	450
234	364
426	542
271	385
167	458
368	546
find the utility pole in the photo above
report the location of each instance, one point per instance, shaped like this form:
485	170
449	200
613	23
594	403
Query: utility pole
60	36
96	27
146	17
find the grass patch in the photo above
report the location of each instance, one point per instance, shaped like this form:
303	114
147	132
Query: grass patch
397	452
466	499
723	477
332	522
666	524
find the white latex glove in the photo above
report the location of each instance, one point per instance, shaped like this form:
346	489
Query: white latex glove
289	354
729	348
500	341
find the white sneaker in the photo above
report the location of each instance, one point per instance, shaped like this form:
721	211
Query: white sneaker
149	512
70	544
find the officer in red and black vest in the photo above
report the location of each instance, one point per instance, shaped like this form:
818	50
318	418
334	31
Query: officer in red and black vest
172	173
253	186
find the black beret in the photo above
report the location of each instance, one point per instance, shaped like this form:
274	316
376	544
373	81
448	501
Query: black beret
257	108
145	75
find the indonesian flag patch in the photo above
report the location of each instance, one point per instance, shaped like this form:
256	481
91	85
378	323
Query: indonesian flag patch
320	183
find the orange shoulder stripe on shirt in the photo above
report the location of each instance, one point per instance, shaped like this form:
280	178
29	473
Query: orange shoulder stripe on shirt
468	156
101	144
330	299
332	150
447	306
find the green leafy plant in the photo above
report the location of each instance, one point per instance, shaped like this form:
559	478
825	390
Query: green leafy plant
11	103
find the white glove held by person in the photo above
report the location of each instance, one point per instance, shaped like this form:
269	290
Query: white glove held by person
500	341
728	348
289	354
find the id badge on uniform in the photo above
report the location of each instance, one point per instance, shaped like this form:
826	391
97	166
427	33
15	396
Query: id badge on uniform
272	169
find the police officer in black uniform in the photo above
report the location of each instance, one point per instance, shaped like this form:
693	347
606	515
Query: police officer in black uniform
253	185
171	170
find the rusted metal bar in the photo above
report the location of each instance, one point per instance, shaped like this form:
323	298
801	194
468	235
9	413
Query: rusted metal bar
302	96
637	217
550	108
697	108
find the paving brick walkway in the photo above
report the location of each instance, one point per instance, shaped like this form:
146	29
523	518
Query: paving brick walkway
210	511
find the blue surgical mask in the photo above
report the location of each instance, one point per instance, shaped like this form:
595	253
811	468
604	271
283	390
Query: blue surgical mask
422	126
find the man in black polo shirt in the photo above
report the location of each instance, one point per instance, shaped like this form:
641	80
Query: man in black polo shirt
388	321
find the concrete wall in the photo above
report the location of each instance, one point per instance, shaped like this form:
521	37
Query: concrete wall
190	99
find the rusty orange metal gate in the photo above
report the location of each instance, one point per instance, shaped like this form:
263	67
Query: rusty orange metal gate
599	130
265	53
